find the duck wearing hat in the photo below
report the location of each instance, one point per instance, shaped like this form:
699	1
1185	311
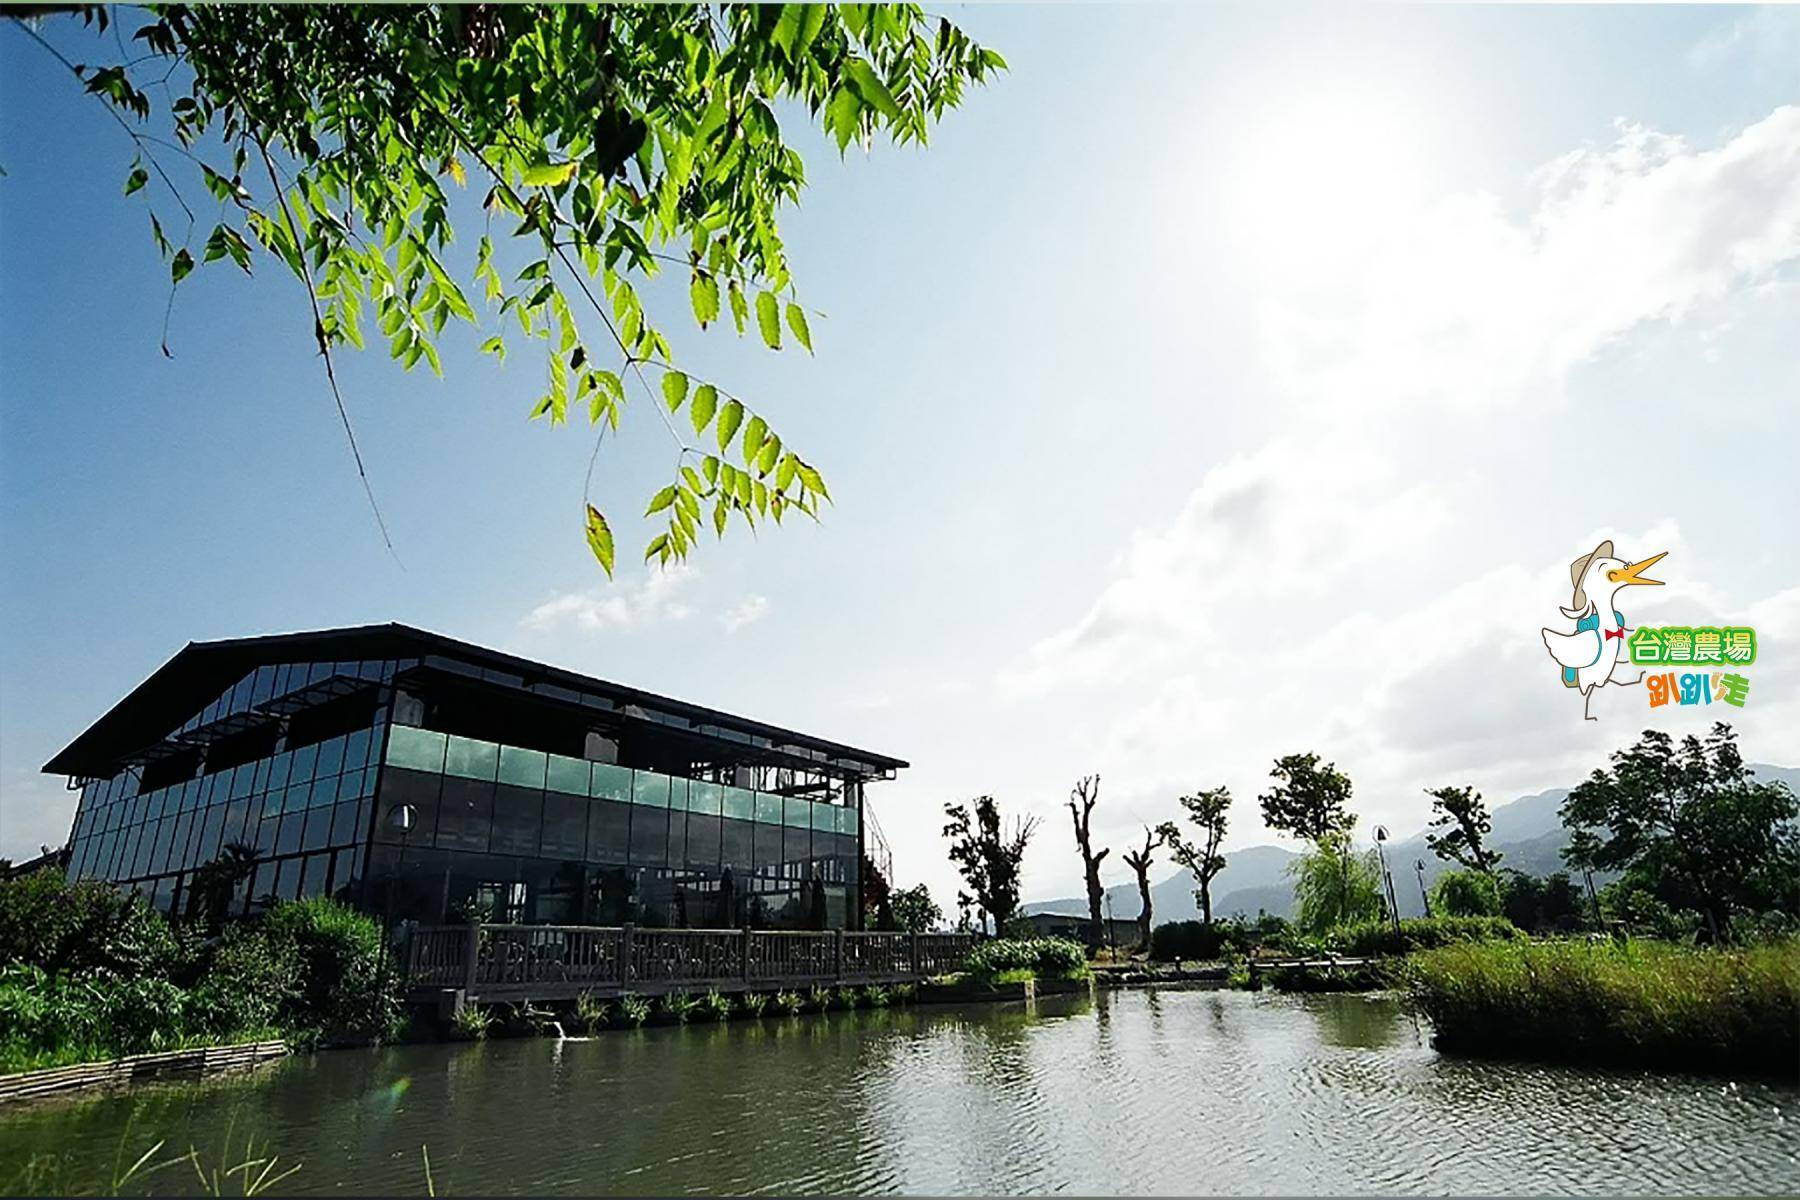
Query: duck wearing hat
1590	656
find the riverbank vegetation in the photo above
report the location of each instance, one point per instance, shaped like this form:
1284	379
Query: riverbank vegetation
91	973
1634	1003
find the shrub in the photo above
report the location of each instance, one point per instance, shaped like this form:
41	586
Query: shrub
753	1003
591	1014
1331	977
59	926
1375	938
345	990
818	999
634	1010
680	1005
1635	1003
714	1006
788	1002
1044	958
1234	937
904	993
873	996
472	1022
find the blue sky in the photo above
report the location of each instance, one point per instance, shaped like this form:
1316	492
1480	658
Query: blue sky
1221	382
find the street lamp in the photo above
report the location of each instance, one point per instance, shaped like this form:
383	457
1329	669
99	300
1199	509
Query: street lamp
1419	866
1387	879
400	819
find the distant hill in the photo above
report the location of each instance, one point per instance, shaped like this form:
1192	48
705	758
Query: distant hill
1527	831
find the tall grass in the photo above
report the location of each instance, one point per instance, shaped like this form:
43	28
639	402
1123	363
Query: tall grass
1633	1003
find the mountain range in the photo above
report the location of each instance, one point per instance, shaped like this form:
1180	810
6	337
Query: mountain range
1527	831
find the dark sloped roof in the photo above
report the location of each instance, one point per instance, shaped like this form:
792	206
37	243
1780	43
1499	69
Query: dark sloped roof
201	670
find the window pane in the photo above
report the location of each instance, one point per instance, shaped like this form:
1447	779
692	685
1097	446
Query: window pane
703	797
565	826
318	829
847	819
418	749
797	813
522	768
703	841
287	836
356	749
649	836
418	789
609	832
610	782
569	775
465	814
331	756
518	820
344	829
824	816
471	759
740	803
647	787
735	844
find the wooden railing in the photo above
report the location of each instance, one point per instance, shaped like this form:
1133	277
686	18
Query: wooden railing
546	961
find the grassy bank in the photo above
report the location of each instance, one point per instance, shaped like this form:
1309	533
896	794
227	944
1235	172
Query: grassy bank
1635	1003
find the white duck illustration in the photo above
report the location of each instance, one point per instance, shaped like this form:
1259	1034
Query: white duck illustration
1591	655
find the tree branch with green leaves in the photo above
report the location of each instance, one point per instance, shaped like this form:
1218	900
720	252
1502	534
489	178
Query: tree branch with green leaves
613	142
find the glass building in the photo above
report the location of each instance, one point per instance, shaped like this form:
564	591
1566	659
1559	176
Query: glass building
424	778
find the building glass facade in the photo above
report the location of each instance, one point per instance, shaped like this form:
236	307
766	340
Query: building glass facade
363	778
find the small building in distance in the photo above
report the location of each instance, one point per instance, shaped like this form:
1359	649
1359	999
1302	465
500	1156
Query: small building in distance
424	778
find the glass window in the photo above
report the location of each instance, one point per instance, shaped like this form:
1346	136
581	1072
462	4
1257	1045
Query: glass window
318	829
678	824
766	840
301	770
356	749
796	851
568	775
740	803
610	782
824	816
649	836
735	844
346	874
352	785
344	826
417	749
518	819
465	814
796	813
212	834
418	789
847	819
278	770
609	832
703	841
647	787
331	756
522	768
232	831
313	874
703	797
324	791
565	825
287	835
471	759
266	830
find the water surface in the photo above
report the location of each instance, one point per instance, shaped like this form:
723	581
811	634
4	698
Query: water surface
1156	1091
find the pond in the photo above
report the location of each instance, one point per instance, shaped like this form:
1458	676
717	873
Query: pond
1154	1091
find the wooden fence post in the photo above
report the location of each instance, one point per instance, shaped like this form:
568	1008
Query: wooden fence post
746	960
912	954
471	957
627	932
837	971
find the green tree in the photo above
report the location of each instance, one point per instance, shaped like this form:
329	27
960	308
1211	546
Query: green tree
1689	824
1308	800
1465	894
1552	904
1461	824
914	910
988	857
607	143
1208	811
1335	886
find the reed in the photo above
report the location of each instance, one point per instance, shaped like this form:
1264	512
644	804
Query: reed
1631	1003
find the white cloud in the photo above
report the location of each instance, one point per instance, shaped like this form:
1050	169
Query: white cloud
749	610
652	600
1462	303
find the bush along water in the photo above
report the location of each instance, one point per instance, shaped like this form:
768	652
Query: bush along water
1012	960
93	973
1631	1003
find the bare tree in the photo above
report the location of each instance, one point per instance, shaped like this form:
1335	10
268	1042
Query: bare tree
1081	807
1139	861
1208	811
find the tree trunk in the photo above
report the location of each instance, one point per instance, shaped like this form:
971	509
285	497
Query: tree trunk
1143	881
1206	901
1081	808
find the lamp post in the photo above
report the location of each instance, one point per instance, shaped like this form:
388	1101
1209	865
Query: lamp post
1419	866
401	819
1387	878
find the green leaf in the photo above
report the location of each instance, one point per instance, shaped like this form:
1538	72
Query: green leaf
706	400
753	439
179	267
813	481
869	87
771	453
796	318
729	419
547	174
137	179
495	346
661	500
600	539
768	319
720	512
789	466
740	309
674	389
703	292
842	115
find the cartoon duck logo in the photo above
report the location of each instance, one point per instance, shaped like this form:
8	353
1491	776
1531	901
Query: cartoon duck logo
1590	657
